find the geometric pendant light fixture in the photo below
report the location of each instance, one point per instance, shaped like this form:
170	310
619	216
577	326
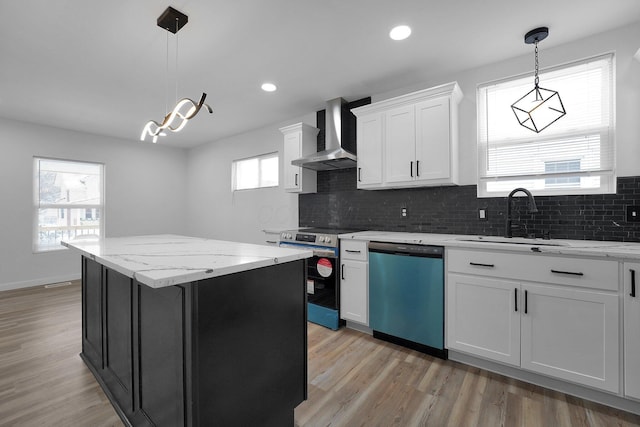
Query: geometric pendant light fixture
540	107
175	120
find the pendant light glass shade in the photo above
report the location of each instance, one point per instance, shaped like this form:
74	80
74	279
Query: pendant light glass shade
540	107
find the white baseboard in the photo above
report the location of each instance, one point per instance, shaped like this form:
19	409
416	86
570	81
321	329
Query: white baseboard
38	282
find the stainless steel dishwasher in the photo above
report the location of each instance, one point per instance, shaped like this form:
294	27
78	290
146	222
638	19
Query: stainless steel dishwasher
406	295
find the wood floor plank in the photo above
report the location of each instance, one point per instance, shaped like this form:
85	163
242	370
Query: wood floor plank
354	379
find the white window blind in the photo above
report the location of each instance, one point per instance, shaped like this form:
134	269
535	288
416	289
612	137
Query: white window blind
256	172
68	202
510	156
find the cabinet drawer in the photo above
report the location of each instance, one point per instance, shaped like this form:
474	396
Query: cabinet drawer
588	273
354	249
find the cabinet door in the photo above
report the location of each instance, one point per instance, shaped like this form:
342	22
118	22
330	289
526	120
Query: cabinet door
292	151
571	334
433	157
118	340
400	144
369	150
92	312
632	330
354	295
483	317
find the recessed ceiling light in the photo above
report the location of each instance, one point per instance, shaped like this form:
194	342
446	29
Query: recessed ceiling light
400	32
269	87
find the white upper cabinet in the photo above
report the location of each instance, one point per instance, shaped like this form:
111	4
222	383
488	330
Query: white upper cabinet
299	140
369	130
400	142
410	140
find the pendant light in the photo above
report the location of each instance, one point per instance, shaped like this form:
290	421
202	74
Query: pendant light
173	20
540	107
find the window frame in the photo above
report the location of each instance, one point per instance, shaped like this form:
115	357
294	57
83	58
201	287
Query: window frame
97	209
607	175
260	158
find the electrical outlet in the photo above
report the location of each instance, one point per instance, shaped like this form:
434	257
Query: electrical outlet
403	212
633	213
482	214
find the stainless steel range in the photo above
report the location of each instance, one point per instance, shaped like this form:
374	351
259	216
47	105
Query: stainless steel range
323	281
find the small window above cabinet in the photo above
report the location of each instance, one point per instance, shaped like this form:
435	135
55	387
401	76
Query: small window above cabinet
410	140
299	140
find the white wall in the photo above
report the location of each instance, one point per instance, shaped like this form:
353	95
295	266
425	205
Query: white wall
624	42
217	212
145	194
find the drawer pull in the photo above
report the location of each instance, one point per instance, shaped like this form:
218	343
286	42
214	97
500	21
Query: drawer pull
526	302
633	283
273	242
479	264
571	273
515	294
351	251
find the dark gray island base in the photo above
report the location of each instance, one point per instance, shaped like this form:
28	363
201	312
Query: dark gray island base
225	351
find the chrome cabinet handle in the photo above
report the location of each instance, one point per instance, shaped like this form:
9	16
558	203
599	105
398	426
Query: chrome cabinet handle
351	251
296	180
633	283
411	169
417	167
515	294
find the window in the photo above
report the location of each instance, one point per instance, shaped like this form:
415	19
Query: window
552	167
575	155
68	202
256	172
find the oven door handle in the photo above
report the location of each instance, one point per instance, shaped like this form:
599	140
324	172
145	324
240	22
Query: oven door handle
326	254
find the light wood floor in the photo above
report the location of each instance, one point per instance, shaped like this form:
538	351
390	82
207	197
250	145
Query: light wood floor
354	380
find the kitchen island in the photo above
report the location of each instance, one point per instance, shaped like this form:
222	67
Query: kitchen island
195	332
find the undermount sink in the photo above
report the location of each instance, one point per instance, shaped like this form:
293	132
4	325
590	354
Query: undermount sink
511	240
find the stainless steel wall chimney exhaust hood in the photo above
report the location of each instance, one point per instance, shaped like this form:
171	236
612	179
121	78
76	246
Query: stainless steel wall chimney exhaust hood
334	156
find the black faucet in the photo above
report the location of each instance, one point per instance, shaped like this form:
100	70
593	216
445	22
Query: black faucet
532	209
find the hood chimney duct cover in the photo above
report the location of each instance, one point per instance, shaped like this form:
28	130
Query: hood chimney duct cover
334	156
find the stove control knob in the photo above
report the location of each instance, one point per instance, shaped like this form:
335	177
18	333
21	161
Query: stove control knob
289	236
321	238
328	239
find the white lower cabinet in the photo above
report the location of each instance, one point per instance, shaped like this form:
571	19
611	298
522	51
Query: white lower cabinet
354	281
571	334
482	319
631	330
559	329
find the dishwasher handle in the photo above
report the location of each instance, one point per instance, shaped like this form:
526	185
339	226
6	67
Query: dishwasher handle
427	251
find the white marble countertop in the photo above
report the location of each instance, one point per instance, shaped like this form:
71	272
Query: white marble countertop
166	260
603	249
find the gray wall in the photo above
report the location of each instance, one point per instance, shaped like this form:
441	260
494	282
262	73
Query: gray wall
155	189
145	194
217	212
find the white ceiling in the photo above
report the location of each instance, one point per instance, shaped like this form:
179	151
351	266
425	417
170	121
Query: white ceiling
100	67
